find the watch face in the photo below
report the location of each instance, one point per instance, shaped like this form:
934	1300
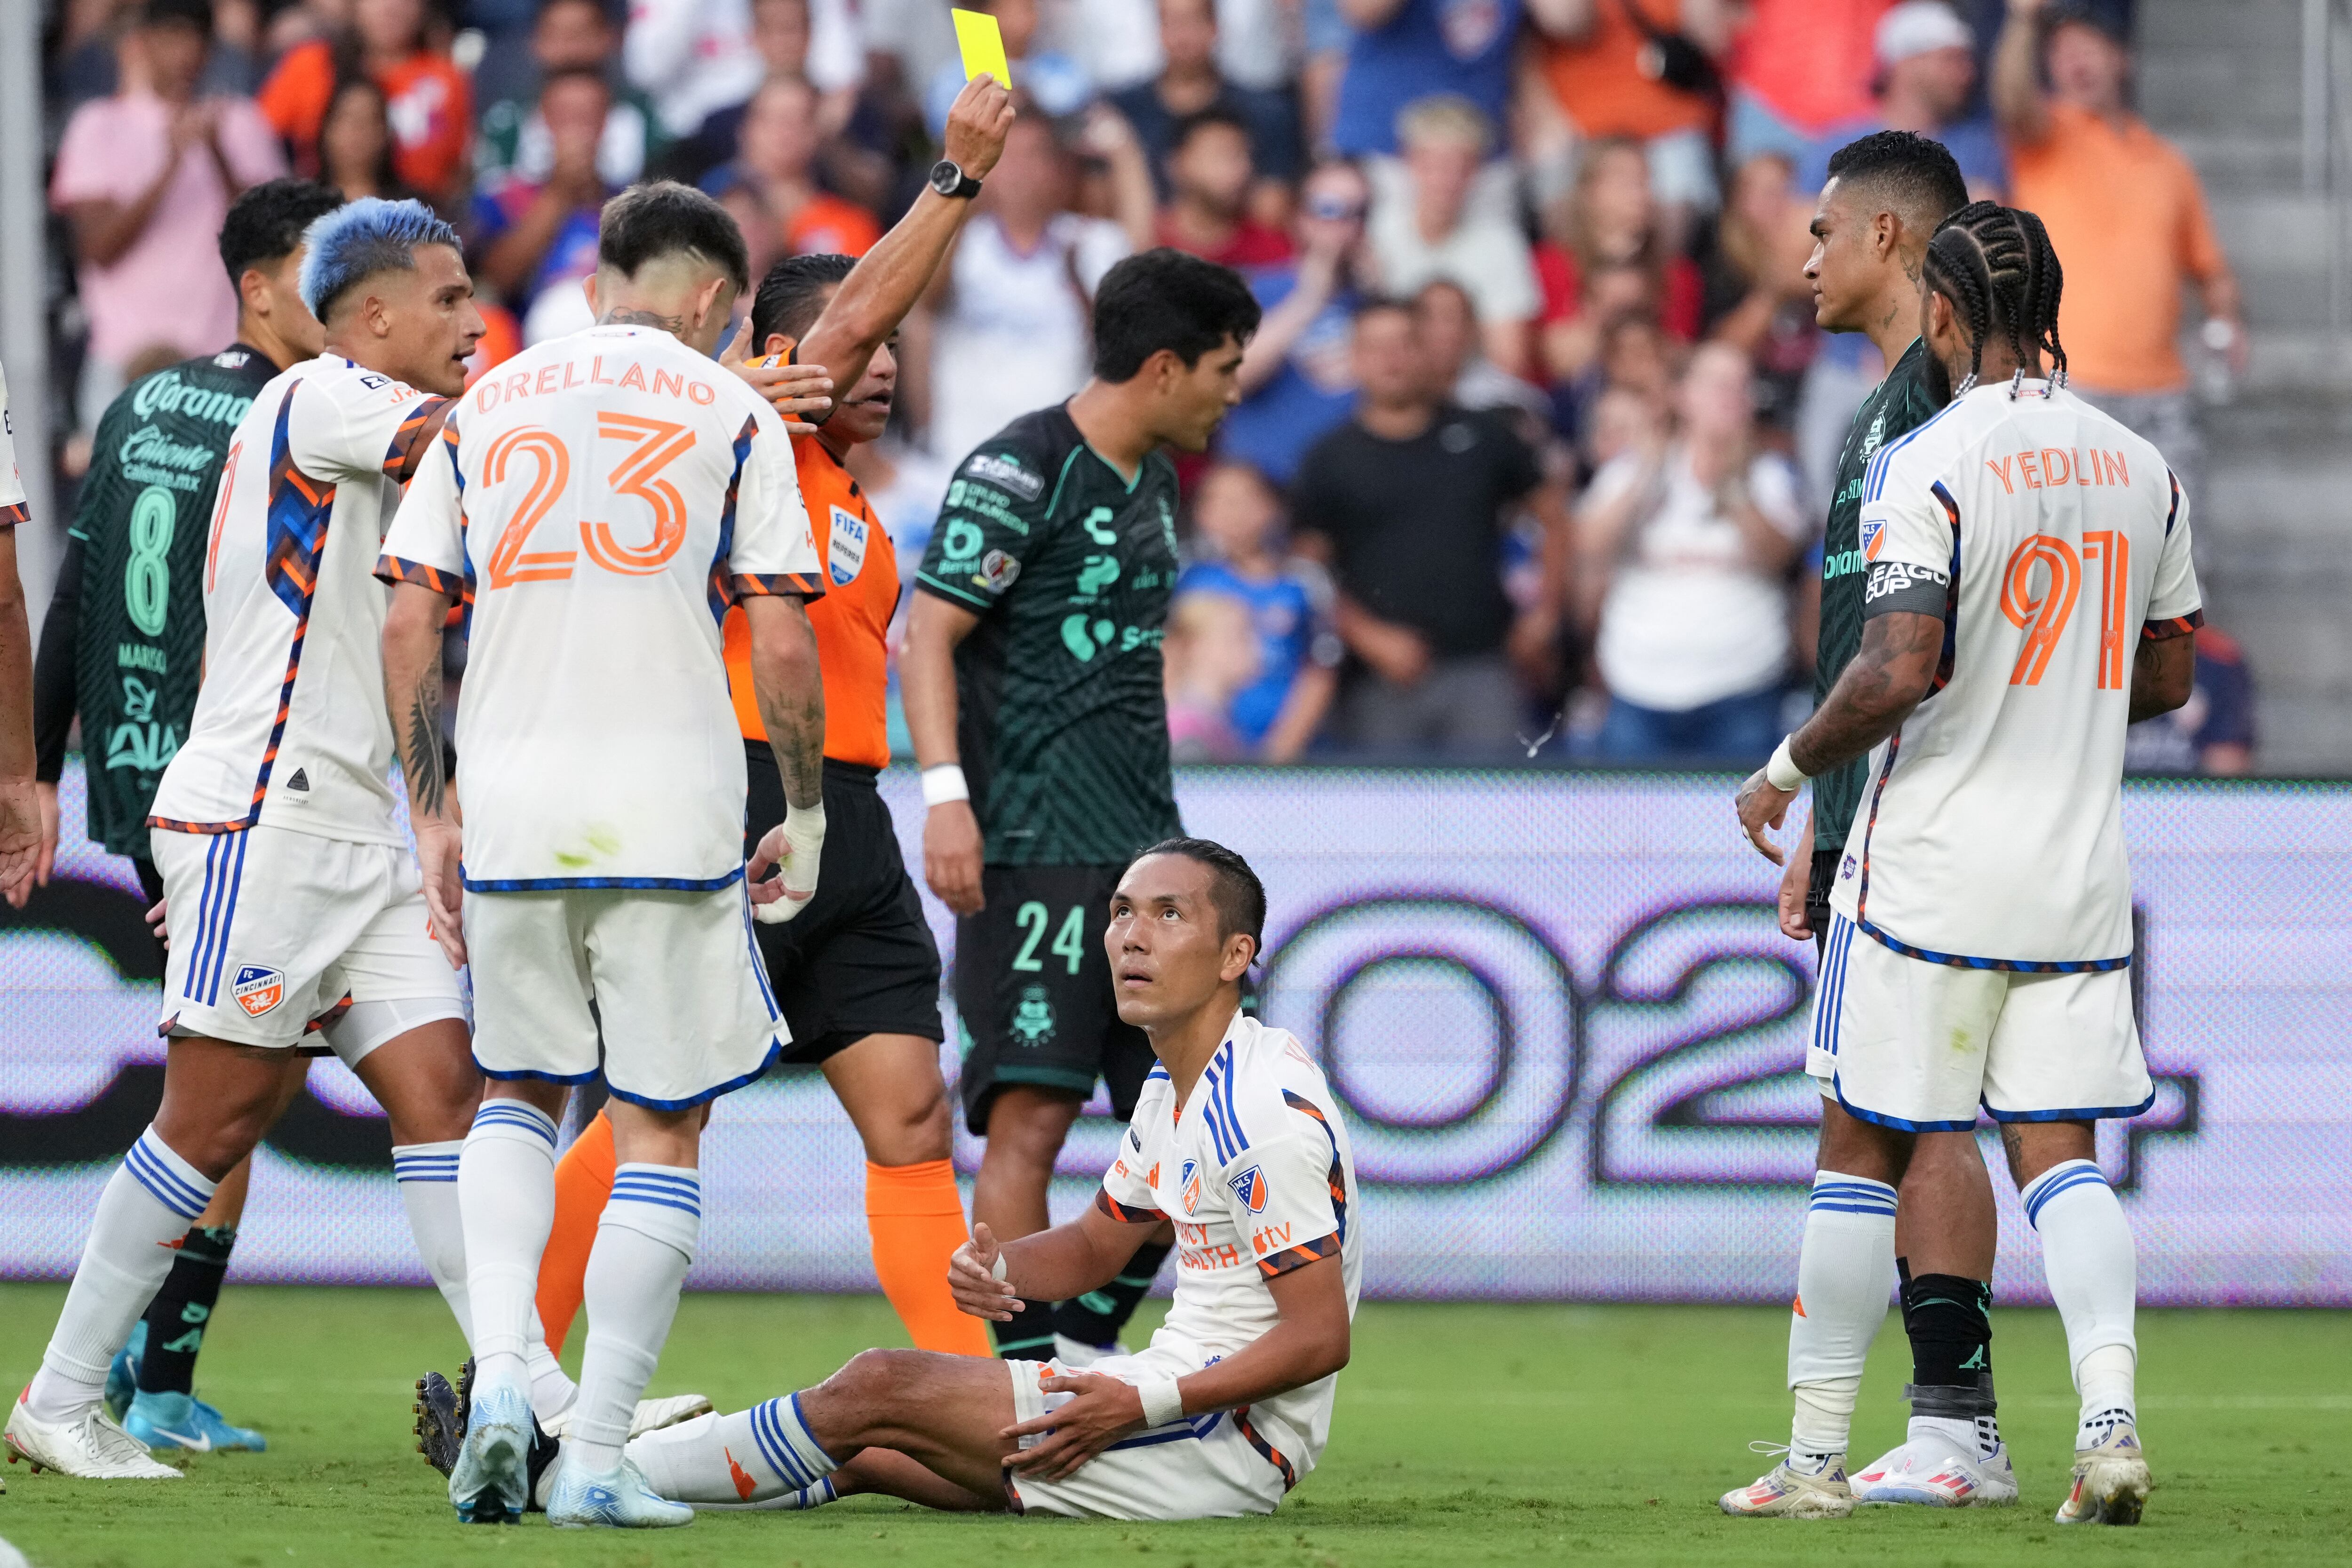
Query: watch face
945	177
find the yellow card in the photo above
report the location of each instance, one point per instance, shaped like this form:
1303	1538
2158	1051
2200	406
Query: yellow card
982	44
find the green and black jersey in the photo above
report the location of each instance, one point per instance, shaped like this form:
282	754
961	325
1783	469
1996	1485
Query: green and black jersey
1063	721
140	527
1895	408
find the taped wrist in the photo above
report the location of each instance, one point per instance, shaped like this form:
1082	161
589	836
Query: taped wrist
805	837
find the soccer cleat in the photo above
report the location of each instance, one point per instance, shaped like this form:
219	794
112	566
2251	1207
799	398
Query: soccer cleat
90	1446
2111	1481
440	1420
617	1499
490	1483
1076	1353
1787	1492
164	1420
650	1415
1934	1471
122	1375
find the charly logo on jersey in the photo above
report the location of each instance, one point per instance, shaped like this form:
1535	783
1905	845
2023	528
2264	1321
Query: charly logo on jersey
1250	1188
258	990
845	555
1005	474
1874	534
1188	1185
1033	1017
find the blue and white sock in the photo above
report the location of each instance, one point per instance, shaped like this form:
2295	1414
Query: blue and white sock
765	1454
427	1174
506	1196
148	1205
1845	1277
2094	1273
645	1242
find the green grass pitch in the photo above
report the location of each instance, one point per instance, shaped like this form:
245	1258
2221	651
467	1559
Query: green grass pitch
1464	1435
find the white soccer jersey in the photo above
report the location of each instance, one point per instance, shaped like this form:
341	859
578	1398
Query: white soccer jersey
12	483
289	727
605	497
1256	1174
2055	540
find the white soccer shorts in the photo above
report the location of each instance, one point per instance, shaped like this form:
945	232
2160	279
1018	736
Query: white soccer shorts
684	1001
272	929
1919	1046
1203	1467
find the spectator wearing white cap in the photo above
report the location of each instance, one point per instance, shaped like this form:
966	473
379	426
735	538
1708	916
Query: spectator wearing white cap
1927	71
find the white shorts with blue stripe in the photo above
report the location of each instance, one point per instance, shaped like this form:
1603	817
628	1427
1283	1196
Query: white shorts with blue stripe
1218	1466
684	1003
273	930
1913	1043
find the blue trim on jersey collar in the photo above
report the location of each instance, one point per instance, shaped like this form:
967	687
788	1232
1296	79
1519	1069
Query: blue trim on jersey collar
575	884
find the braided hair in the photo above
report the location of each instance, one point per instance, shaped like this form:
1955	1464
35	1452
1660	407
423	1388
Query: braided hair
1997	267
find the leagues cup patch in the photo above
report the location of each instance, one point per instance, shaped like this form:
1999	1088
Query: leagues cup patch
258	990
1249	1187
1874	534
996	571
845	555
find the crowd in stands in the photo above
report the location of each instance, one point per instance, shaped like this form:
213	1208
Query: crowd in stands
1536	432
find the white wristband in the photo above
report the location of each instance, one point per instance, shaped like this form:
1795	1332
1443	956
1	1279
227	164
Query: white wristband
1783	771
944	784
996	1269
1163	1406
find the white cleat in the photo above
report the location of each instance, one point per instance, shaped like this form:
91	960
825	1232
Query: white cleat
90	1446
2111	1482
617	1499
490	1483
1783	1492
1931	1470
1076	1353
650	1415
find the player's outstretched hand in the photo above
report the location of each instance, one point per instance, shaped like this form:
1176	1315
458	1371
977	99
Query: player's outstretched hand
791	389
952	854
438	850
1104	1411
972	1280
977	126
20	839
1763	806
1795	883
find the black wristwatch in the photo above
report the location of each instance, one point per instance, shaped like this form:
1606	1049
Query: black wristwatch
948	179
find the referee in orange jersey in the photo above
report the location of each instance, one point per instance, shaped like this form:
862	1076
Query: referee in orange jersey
856	974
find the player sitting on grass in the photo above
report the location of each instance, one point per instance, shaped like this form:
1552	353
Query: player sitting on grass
2020	542
1237	1140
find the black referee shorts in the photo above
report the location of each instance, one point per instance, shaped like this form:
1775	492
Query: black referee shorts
859	960
1033	995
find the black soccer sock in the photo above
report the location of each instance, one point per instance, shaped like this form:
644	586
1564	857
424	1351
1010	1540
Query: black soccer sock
177	1316
1949	1321
1096	1317
1028	1336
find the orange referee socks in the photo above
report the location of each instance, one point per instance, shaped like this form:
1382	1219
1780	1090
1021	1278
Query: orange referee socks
583	1180
916	1218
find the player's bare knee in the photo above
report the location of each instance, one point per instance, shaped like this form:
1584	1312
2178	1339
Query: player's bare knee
873	1390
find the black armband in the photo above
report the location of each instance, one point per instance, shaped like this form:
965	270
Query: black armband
1901	585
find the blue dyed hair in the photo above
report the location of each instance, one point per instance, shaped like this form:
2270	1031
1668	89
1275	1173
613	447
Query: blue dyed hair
364	238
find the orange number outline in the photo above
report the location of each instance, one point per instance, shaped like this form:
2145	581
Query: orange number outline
220	515
2049	612
508	563
2112	549
657	445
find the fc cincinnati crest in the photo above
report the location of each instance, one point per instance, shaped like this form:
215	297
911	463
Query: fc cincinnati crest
1874	534
846	554
258	990
1188	1185
1249	1187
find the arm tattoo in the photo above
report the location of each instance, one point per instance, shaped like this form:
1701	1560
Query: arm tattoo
795	725
423	763
1875	694
624	316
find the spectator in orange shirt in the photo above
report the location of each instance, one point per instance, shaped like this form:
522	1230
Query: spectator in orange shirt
1800	70
1591	55
775	172
430	100
2127	217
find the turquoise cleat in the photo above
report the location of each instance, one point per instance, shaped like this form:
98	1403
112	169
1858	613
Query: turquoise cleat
184	1422
620	1499
122	1376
